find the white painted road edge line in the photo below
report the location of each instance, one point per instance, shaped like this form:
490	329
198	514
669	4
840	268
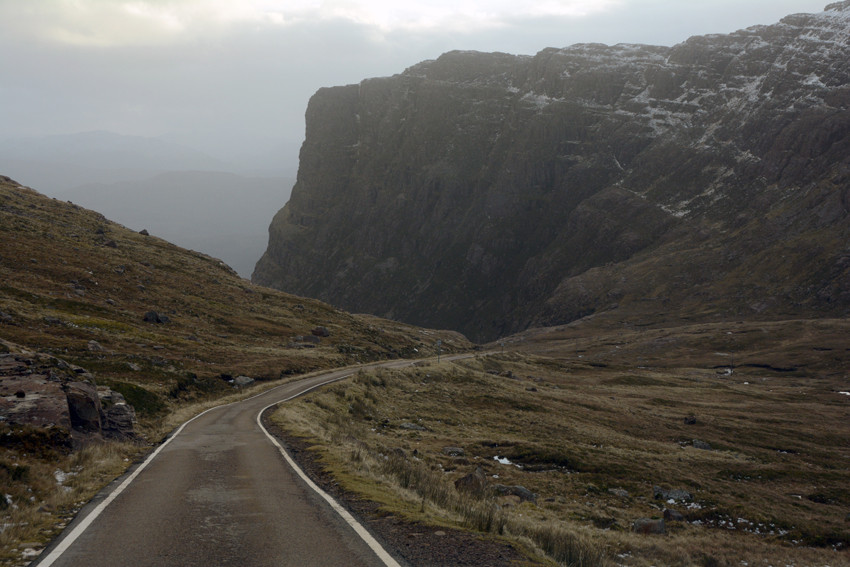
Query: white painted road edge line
73	535
69	540
344	514
87	521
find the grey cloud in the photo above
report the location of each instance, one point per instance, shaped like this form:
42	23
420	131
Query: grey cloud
252	81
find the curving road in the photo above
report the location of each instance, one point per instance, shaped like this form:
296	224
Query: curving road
218	492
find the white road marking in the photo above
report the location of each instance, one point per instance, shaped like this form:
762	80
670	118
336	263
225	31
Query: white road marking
87	521
68	541
78	530
344	514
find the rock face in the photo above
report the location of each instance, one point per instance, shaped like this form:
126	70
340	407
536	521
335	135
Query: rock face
47	394
84	406
490	192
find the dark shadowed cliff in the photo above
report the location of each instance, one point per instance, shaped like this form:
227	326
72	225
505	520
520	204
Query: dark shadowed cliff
490	192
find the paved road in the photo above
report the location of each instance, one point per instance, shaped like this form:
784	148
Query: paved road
218	493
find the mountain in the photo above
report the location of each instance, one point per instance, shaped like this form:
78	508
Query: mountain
184	195
221	214
490	192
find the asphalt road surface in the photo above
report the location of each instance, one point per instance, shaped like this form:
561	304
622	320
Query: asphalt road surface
217	493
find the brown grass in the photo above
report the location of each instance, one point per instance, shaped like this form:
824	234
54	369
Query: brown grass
772	489
43	494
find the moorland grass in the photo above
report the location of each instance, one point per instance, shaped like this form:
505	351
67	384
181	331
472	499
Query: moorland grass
592	442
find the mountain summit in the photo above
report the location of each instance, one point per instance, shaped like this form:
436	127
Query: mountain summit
492	192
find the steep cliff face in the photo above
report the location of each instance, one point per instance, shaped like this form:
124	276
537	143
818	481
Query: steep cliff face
489	192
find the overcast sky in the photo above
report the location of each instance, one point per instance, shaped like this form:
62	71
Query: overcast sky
237	74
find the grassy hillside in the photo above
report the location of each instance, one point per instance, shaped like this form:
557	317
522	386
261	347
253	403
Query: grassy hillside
748	422
76	287
70	276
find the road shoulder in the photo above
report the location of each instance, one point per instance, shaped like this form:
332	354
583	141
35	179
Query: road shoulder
412	542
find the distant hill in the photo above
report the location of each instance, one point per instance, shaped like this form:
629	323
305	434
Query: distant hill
221	214
490	192
56	163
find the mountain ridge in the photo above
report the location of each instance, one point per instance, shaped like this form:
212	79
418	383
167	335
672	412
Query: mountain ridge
491	192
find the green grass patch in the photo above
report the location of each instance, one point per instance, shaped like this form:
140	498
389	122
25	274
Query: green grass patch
146	403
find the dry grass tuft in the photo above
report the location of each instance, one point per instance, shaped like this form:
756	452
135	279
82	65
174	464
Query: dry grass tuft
42	495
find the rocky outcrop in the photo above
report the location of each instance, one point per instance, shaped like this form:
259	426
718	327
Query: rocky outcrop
84	406
47	394
490	192
118	417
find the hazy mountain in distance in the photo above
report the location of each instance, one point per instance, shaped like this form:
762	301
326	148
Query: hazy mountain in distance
56	163
218	213
252	157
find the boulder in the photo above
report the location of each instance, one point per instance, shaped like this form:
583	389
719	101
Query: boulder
59	402
619	492
321	332
474	483
454	451
119	421
154	317
673	515
109	397
242	381
521	492
84	406
702	445
677	495
43	403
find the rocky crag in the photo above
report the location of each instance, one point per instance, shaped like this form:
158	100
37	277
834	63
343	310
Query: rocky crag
491	192
60	400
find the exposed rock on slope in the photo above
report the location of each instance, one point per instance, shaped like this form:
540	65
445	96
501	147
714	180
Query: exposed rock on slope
489	192
49	395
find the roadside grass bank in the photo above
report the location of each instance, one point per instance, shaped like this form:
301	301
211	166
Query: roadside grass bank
744	466
42	493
